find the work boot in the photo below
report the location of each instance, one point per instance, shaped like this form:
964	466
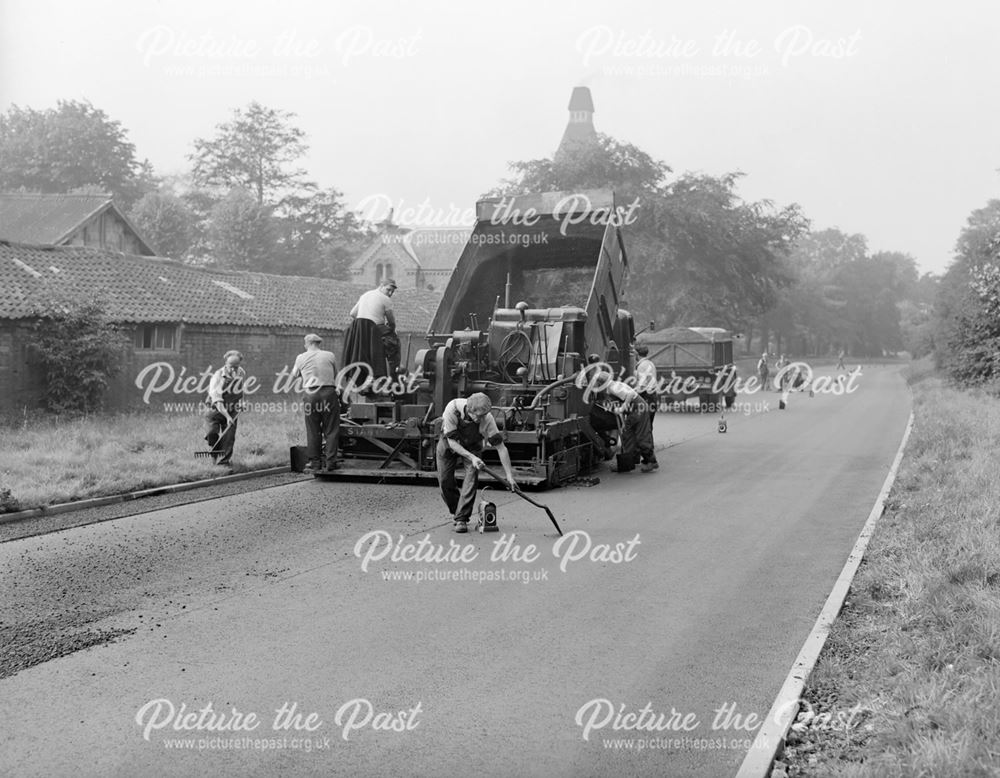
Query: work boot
462	526
649	467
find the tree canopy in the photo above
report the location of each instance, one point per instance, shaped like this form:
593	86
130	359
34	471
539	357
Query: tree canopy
700	254
967	309
71	147
257	150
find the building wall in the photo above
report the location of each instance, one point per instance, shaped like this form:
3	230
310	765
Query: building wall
150	378
106	231
20	381
405	274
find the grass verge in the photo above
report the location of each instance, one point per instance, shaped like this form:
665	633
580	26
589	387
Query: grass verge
908	683
52	461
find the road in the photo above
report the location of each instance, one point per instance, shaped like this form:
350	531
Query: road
673	609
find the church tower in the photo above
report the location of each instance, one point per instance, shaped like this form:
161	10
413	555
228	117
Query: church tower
580	130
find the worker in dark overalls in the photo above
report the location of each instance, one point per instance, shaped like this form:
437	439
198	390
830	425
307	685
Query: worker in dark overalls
636	429
467	427
225	398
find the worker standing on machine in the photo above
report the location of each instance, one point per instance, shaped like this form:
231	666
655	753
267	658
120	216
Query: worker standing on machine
467	427
371	318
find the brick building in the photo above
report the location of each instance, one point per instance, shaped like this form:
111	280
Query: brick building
69	220
179	320
414	258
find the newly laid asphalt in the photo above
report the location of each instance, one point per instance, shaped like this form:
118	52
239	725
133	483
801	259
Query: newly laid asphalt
140	646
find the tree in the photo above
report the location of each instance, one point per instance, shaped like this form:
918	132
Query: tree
699	253
317	235
722	260
242	233
813	309
967	312
78	348
71	147
255	151
169	223
873	291
302	230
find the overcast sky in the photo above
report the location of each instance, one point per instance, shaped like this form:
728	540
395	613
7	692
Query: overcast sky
877	118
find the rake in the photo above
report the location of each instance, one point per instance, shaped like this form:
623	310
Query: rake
215	450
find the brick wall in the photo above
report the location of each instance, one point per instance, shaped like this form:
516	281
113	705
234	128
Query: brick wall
150	378
20	381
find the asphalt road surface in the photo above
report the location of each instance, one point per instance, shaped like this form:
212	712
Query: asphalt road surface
248	635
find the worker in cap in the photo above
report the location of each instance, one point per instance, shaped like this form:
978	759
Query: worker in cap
467	428
317	369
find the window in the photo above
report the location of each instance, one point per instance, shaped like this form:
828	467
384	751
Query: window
156	337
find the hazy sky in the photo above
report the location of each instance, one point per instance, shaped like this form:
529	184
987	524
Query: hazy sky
878	118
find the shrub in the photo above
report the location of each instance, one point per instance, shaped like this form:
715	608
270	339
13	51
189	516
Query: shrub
79	350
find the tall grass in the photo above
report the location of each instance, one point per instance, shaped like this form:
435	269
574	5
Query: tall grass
48	461
917	645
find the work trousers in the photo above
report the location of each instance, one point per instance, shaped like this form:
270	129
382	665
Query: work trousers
460	501
637	436
322	412
220	439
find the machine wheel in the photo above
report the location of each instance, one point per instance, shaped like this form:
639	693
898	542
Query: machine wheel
730	400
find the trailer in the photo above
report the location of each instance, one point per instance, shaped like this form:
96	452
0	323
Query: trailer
693	363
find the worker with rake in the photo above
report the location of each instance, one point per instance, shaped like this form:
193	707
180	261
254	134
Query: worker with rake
225	399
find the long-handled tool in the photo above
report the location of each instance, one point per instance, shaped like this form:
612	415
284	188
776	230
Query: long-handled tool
523	496
215	450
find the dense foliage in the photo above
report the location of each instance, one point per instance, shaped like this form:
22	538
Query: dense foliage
79	350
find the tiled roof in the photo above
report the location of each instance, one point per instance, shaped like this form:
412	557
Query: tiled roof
387	246
49	219
438	249
148	289
45	218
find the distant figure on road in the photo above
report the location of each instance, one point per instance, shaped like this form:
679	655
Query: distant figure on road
467	427
780	365
371	318
320	403
225	399
840	361
763	371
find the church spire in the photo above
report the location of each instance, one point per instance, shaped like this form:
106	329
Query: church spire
580	130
